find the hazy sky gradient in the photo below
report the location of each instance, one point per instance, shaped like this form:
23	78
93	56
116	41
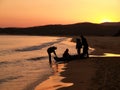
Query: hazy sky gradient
23	13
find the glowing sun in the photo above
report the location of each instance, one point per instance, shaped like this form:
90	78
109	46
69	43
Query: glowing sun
105	20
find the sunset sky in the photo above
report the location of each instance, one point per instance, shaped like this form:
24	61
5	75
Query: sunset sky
25	13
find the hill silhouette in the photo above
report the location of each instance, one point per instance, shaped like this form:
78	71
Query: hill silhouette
117	34
104	29
111	23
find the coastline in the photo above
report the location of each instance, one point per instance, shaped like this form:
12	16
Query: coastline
24	61
33	85
57	68
50	71
53	82
86	74
90	73
105	56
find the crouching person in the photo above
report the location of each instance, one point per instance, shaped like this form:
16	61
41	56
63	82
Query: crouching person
66	55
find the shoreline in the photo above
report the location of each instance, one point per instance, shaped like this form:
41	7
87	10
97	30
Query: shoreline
54	79
33	85
85	74
57	69
85	69
53	69
101	46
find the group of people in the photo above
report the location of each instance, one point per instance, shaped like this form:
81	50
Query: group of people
81	44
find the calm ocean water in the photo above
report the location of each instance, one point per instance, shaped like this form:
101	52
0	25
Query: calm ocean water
24	61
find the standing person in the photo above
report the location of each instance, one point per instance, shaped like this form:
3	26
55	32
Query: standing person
85	46
78	46
51	50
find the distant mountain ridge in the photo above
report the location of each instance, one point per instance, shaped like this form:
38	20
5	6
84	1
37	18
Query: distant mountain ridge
111	23
104	29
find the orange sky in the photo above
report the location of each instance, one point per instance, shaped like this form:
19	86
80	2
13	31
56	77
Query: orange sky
24	13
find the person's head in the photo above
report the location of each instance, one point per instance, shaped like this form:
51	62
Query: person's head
81	36
54	47
67	50
77	40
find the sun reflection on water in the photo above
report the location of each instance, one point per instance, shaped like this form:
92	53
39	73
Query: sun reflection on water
54	81
106	55
111	55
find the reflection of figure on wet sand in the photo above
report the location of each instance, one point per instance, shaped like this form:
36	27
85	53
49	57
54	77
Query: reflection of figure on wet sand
85	46
55	67
51	50
78	46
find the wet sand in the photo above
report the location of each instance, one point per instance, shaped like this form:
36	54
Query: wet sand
94	73
24	61
54	81
100	73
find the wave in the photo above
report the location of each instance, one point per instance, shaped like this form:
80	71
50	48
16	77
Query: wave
32	48
6	52
9	79
36	58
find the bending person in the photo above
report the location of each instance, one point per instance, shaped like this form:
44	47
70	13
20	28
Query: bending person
51	50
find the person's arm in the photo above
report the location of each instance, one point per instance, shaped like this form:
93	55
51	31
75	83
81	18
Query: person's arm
55	53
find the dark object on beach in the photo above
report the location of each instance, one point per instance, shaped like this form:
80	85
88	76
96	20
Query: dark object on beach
66	55
78	46
71	57
85	46
51	50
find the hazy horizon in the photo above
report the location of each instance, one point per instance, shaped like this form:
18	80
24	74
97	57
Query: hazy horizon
57	24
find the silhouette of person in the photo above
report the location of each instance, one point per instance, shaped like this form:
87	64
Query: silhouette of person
78	46
85	46
51	50
66	55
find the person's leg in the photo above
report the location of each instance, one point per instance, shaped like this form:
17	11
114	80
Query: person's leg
87	53
78	51
50	62
83	51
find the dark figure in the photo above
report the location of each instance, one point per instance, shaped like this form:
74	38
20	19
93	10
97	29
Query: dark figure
78	46
66	55
51	50
85	47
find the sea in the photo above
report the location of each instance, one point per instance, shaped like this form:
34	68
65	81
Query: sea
24	61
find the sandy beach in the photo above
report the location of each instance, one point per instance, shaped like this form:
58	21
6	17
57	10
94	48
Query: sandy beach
93	74
99	72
